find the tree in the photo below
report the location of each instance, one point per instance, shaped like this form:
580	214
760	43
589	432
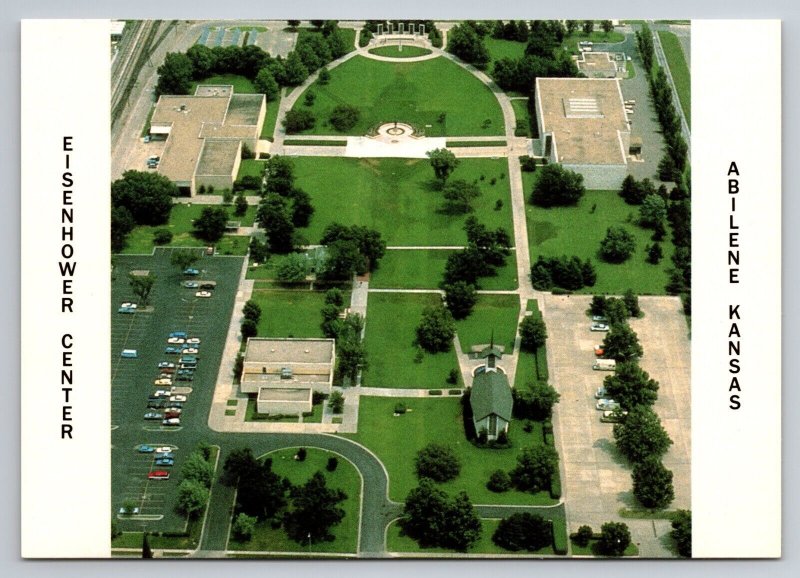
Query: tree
607	26
614	538
652	484
459	195
572	26
432	518
293	23
295	71
203	61
274	217
146	551
630	385
324	76
523	531
352	358
252	310
142	285
162	236
533	333
344	117
437	462
210	225
302	209
192	497
583	536
632	303
588	27
265	83
641	435
535	468
653	211
535	402
249	328
499	481
293	268
616	311
147	196
460	298
682	532
618	244
443	162
436	330
279	175
622	343
492	246
343	260
655	253
315	510
197	468
466	265
121	225
333	463
632	192
598	305
298	120
175	75
368	243
334	296
240	205
260	492
557	186
238	463
336	402
464	42
243	527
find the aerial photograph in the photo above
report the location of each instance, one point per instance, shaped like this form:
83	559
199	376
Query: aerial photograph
400	289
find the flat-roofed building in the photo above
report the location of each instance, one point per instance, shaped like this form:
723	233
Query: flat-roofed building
584	127
284	401
288	364
205	134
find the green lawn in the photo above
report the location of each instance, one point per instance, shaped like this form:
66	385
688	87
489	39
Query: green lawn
397	542
498	313
421	269
528	370
416	93
396	441
140	240
398	197
345	478
392	319
268	129
241	84
250	167
395	51
233	244
577	231
679	69
598	36
499	48
290	313
521	113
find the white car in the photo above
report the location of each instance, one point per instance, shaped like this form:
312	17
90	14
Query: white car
177	398
164	450
163	381
176	341
607	405
597	326
191	350
599	318
614	416
193	340
162	393
164	364
203	294
173	421
600	393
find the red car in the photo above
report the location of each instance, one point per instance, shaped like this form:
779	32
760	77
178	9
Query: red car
158	475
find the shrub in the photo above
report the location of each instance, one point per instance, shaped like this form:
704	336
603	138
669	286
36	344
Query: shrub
437	462
614	538
528	164
333	463
301	454
249	329
243	527
583	536
400	408
557	187
309	98
618	245
344	117
336	402
454	392
523	531
559	542
162	236
299	120
434	392
499	481
555	485
453	376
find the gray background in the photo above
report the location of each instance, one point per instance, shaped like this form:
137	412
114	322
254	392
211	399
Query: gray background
14	10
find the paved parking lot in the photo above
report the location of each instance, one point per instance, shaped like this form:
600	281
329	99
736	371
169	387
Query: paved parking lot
173	308
597	478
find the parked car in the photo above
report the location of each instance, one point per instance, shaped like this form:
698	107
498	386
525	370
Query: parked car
169	455
172	350
177	398
129	353
128	511
153	415
164	462
613	416
600	318
162	393
191	284
176	340
163	381
597	326
166	372
181	334
170	413
192	350
185	372
185	377
156	403
145	449
203	294
163	449
158	475
127	308
600	393
187	359
173	421
166	364
607	405
599	351
193	340
174	404
191	271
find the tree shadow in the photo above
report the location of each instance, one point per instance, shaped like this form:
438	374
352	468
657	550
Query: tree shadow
610	448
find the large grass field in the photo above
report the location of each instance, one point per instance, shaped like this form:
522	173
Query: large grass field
679	69
398	197
498	313
396	441
416	93
499	48
392	319
140	240
345	478
423	269
290	313
577	231
241	84
396	51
